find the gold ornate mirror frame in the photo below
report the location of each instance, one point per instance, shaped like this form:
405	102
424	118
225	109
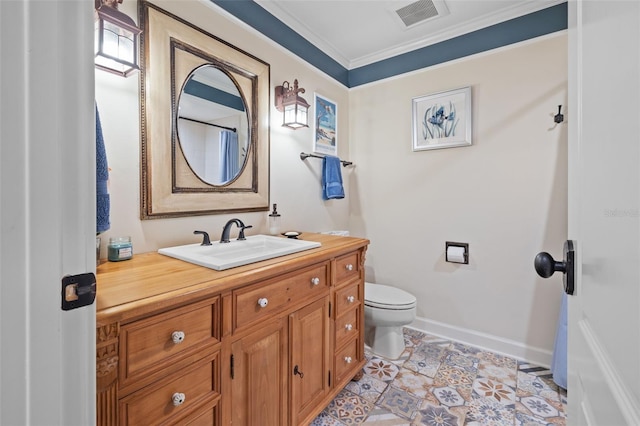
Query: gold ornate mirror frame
171	49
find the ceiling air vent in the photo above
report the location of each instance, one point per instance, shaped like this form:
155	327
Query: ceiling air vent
420	11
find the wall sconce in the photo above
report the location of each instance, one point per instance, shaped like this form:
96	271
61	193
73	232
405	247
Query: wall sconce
115	39
295	108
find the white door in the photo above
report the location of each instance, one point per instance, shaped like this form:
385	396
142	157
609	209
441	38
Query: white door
47	211
604	188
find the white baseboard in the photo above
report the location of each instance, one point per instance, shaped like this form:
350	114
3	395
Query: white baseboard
511	348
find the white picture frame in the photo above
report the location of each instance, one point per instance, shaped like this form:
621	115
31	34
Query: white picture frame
442	120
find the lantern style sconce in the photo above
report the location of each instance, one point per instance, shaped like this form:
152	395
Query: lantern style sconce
294	107
115	39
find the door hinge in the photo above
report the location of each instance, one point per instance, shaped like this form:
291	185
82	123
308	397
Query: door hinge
232	370
329	378
329	309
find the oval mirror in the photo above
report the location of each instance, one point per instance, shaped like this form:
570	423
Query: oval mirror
213	125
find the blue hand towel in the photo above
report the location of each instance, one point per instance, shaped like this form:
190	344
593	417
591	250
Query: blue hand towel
102	176
331	178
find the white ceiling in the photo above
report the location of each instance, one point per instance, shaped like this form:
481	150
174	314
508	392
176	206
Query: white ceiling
359	32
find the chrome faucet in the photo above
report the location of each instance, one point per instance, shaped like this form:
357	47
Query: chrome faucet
224	238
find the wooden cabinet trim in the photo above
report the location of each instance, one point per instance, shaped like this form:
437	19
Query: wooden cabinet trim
107	343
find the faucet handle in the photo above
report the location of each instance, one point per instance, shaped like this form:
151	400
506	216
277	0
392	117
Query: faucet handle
241	236
205	238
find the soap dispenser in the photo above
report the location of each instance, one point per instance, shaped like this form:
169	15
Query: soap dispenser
274	221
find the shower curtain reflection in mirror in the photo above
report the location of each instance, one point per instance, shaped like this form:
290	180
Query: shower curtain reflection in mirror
229	156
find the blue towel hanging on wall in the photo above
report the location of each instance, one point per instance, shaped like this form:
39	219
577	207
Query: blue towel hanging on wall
331	178
103	204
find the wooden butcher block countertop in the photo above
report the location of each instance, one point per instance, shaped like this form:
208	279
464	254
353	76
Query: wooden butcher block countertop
151	282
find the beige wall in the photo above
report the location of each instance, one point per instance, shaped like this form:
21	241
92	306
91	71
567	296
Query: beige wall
295	185
506	195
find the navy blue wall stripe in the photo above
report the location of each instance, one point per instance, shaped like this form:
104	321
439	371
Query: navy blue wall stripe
535	24
255	16
214	95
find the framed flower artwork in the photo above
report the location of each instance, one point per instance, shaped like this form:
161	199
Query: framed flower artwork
442	120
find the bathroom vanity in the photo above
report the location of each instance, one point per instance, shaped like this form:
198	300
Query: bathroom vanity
270	343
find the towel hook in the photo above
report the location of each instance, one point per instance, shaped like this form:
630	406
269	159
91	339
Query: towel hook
558	118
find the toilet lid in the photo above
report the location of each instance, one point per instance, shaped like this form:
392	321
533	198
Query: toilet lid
384	296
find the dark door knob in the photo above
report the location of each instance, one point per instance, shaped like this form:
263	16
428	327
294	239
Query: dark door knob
546	265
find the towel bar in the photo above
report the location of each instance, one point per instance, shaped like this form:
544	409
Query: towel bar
304	156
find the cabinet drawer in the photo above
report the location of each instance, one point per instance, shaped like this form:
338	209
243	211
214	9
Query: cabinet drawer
160	403
347	298
346	360
206	417
347	326
260	300
347	267
147	343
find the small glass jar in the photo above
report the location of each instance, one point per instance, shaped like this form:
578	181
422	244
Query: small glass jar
119	248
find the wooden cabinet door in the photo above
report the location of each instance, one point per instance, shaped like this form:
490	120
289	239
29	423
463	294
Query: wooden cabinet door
310	359
260	376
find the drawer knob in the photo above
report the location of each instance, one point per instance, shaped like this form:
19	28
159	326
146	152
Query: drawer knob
351	299
349	267
348	327
263	302
315	280
347	359
178	398
177	337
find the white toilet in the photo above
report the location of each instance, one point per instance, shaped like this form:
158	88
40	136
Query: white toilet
386	310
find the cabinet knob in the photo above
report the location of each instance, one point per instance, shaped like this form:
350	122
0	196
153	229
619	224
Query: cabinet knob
351	299
347	359
178	398
348	327
315	280
263	302
349	267
177	337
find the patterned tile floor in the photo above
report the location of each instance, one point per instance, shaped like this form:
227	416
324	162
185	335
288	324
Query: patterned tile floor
443	383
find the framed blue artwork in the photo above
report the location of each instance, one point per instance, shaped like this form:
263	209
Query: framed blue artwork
442	120
325	126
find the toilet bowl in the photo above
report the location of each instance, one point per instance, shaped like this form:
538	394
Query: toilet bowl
386	310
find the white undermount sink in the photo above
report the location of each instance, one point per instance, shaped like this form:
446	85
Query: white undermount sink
221	256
